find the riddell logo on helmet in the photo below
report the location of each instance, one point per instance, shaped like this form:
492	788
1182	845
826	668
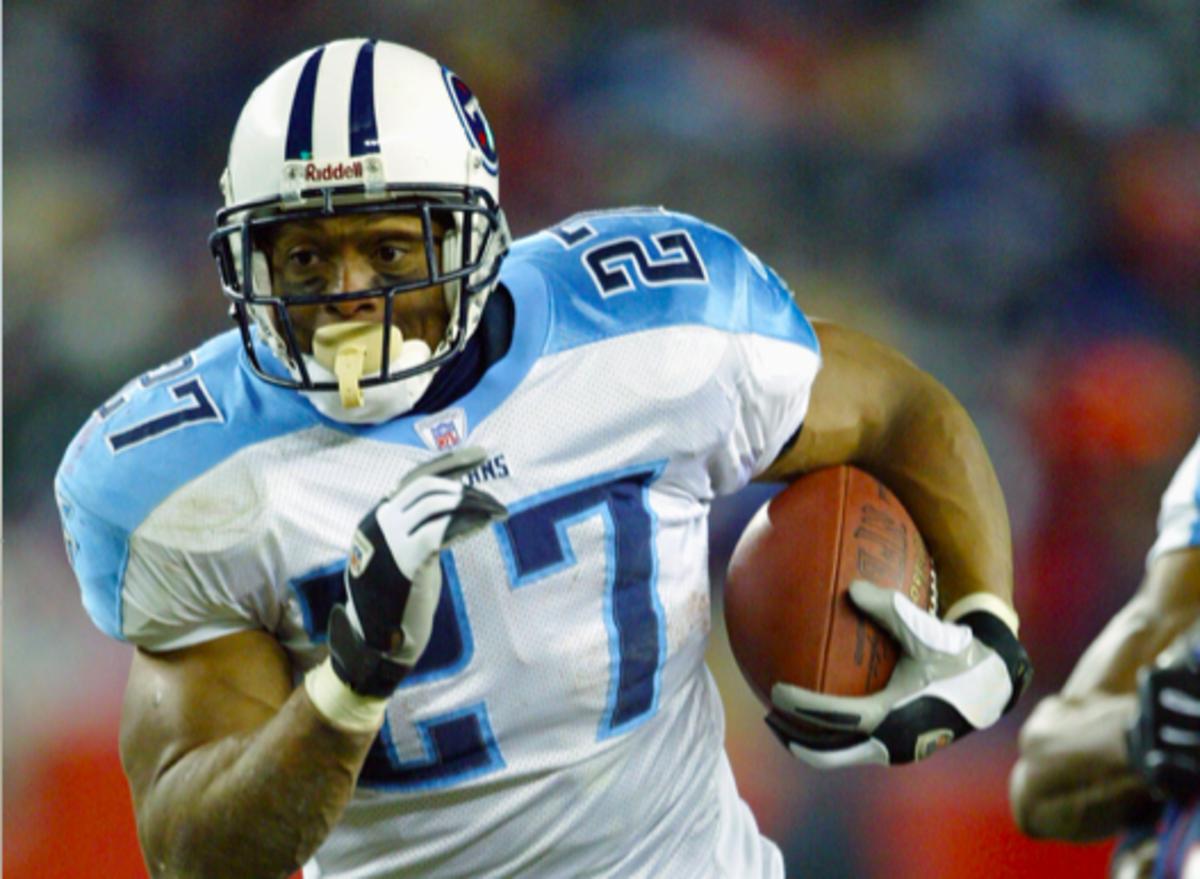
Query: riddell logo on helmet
335	171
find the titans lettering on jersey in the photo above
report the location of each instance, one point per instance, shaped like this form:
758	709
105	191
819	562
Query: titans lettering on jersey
563	703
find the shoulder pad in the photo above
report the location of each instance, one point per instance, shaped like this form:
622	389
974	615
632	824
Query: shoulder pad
171	424
159	432
633	269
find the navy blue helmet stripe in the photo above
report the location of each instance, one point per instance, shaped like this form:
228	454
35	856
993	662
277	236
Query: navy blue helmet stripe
364	134
300	125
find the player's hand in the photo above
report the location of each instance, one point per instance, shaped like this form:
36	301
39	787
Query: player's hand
951	679
1164	741
394	576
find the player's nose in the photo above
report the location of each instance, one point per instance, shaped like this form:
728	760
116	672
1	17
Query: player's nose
355	275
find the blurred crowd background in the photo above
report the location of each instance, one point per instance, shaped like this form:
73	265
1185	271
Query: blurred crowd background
1007	192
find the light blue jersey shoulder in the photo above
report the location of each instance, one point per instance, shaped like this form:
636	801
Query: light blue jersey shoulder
160	431
610	273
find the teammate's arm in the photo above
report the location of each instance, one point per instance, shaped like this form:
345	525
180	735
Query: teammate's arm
233	772
873	408
1073	779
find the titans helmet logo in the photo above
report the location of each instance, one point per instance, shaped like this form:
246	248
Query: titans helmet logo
474	123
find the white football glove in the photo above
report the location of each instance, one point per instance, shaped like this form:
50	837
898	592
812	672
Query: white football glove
394	576
951	679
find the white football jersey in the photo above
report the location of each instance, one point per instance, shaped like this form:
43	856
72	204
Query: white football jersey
562	721
1179	515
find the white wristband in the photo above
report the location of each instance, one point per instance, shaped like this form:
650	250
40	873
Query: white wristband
341	706
993	604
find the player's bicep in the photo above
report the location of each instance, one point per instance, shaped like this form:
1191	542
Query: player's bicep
1167	602
181	700
1172	583
859	386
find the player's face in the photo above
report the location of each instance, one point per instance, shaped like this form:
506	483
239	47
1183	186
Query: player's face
345	254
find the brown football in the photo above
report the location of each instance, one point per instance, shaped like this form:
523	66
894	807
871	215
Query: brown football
787	611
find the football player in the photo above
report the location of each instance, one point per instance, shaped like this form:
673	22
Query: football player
1123	736
414	559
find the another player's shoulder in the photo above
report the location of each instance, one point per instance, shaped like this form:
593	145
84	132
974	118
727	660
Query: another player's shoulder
1179	515
1184	488
1185	485
621	271
167	426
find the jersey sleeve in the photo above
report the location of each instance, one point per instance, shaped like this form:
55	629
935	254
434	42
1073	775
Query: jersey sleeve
172	598
775	360
1179	514
143	587
645	270
162	556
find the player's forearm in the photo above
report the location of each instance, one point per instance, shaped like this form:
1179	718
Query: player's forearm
1166	604
1090	810
1073	780
873	408
932	456
254	805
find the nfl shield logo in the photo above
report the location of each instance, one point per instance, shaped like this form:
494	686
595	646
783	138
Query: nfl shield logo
444	431
445	435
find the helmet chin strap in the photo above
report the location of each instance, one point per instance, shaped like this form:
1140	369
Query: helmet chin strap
377	403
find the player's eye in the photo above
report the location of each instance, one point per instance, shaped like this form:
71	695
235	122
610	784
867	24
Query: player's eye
302	258
390	254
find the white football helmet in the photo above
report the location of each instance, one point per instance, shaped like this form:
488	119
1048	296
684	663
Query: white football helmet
361	126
